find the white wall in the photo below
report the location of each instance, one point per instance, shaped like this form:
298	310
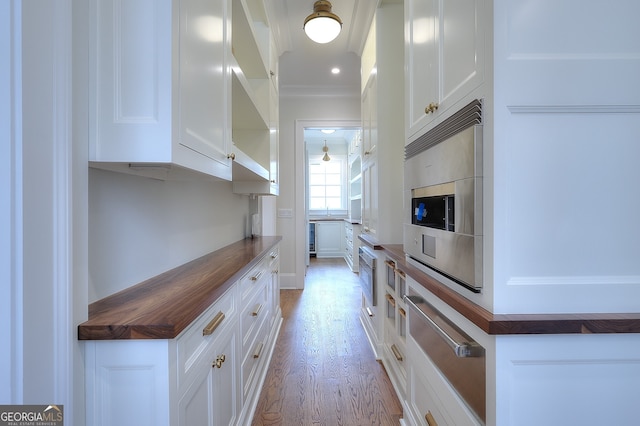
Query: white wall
295	109
140	227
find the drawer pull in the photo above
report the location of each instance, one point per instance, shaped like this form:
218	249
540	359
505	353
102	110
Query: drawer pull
402	312
396	352
258	351
391	300
219	360
213	324
390	264
257	276
274	256
430	420
369	312
463	349
256	310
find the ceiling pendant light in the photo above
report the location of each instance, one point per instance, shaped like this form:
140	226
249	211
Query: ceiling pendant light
325	149
322	26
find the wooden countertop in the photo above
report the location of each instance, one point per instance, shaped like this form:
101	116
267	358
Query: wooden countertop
502	324
162	306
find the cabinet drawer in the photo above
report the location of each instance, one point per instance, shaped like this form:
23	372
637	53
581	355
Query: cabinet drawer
253	356
253	313
273	257
430	393
193	342
259	274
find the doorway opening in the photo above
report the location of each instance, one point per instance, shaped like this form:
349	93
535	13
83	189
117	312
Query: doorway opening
328	151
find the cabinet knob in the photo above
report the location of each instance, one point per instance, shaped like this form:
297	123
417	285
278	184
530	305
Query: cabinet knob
432	107
231	156
219	360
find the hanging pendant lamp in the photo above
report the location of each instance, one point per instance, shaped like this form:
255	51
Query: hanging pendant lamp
322	26
325	149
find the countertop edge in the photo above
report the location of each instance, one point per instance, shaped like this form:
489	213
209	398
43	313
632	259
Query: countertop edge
140	316
512	324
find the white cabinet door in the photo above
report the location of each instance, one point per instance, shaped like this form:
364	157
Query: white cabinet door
158	88
369	120
330	239
204	113
213	398
445	57
370	198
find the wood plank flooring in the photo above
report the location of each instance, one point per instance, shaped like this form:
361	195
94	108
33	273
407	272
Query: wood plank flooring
323	371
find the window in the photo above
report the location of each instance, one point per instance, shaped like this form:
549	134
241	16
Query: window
327	185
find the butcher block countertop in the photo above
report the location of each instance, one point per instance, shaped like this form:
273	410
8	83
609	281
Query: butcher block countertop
162	306
502	324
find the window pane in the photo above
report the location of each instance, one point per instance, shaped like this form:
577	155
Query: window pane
316	191
334	203
334	167
317	204
316	180
333	191
316	168
333	180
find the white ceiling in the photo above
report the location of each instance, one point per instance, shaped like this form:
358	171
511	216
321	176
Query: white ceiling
305	66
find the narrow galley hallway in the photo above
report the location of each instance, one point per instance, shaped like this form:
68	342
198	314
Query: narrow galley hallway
323	371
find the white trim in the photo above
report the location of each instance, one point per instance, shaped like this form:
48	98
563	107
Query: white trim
575	280
62	208
11	388
574	109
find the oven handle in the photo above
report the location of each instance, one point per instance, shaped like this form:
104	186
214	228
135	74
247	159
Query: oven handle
461	349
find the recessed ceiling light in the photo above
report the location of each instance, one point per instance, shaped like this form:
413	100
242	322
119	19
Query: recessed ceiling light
335	70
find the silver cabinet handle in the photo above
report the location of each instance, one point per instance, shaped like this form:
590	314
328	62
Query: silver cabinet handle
467	349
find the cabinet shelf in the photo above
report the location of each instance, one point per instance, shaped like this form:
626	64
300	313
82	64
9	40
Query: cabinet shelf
253	100
245	168
249	106
247	34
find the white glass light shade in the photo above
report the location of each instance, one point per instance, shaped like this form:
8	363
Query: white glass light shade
322	26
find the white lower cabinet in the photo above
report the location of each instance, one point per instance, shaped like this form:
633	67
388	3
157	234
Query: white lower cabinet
211	374
430	399
351	231
395	312
212	399
329	237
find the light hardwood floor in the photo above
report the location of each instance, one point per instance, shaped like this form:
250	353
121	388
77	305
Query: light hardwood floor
323	371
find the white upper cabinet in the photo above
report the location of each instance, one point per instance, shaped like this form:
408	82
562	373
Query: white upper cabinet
382	110
159	87
181	86
254	100
445	57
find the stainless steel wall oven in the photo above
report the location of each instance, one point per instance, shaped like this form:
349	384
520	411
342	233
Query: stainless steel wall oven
443	190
